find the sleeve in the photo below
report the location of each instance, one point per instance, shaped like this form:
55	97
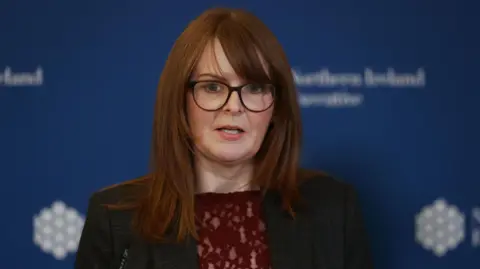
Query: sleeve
357	248
95	245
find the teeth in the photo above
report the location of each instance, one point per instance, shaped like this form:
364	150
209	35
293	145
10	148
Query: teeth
231	131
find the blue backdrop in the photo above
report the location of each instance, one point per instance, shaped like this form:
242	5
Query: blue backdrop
78	81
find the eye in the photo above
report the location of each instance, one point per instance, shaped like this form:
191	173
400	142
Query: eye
211	86
254	88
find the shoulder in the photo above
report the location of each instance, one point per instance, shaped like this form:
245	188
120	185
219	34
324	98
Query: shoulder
328	198
339	227
116	201
112	208
107	231
122	193
321	190
116	204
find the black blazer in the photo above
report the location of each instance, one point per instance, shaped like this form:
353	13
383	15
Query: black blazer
327	233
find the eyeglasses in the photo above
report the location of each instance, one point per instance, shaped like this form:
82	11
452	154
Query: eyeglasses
213	95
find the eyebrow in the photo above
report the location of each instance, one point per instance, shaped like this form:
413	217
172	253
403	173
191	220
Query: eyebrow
211	76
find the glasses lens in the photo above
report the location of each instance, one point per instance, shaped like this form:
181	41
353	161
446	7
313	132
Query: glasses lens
258	97
210	95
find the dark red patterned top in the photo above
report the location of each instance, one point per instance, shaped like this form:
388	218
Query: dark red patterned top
232	232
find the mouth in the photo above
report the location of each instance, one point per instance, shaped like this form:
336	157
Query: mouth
230	129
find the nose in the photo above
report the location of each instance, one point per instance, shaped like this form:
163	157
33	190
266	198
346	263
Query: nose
234	104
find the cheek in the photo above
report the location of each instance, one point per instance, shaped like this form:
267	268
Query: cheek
191	111
198	119
261	121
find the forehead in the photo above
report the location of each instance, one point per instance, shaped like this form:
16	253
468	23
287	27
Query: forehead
217	61
214	61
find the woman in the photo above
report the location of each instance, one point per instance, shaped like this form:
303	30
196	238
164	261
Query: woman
225	190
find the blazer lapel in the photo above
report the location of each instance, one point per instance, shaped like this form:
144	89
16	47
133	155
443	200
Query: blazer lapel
175	255
289	240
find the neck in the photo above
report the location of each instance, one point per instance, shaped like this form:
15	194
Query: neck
221	178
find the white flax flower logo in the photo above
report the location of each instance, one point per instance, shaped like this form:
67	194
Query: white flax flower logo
57	229
439	227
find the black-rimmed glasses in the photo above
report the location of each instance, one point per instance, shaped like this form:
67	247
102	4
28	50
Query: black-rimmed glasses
213	95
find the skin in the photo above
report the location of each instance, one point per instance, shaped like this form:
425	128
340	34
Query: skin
222	165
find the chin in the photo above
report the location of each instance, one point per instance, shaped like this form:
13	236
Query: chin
231	158
232	155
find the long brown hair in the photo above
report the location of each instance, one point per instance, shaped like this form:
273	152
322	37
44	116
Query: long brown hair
169	199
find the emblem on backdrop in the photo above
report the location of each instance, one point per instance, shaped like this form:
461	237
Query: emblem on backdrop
441	227
57	229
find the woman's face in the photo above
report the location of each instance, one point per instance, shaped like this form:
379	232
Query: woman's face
214	138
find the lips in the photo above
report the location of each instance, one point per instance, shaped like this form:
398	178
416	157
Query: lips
230	133
230	129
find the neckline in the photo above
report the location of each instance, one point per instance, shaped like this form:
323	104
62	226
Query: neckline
218	198
227	193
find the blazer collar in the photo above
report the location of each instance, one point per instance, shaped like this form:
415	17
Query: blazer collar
289	242
289	239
